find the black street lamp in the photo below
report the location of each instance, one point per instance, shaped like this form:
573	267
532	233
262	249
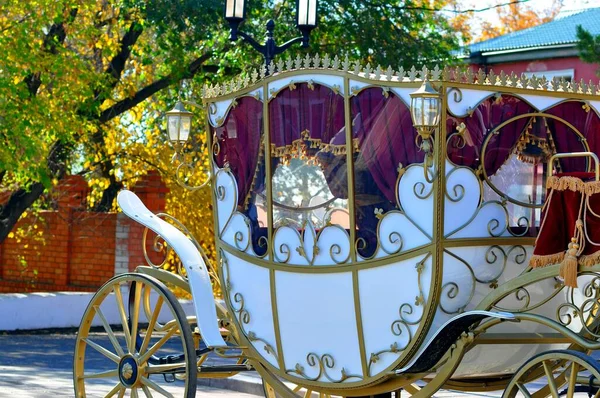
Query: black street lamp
306	10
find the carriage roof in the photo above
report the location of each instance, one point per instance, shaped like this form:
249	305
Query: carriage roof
318	67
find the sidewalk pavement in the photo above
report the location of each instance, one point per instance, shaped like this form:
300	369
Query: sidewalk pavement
56	310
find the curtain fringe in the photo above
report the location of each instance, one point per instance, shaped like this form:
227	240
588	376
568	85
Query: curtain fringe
589	260
573	184
538	261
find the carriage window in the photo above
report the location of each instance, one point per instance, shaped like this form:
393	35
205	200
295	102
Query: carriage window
384	141
523	182
301	192
308	152
238	148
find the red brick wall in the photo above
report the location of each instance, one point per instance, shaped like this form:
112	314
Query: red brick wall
92	258
153	192
76	248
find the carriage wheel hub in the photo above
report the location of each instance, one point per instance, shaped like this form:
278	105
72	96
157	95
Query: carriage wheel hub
128	371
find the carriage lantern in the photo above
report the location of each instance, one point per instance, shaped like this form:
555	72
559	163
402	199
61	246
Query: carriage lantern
425	108
179	123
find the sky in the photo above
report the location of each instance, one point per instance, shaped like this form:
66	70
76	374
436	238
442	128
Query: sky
568	5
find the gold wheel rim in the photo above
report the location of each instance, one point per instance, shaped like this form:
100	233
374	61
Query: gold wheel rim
298	391
133	371
556	370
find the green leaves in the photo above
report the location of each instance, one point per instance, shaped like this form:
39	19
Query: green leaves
97	77
588	46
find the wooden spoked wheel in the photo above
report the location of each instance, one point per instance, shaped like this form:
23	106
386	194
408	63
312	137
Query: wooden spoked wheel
150	353
560	373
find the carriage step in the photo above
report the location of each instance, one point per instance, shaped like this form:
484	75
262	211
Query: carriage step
225	368
171	375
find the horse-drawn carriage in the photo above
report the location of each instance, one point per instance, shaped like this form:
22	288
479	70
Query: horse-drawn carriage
373	236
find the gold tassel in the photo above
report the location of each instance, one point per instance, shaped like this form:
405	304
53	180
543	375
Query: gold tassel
568	267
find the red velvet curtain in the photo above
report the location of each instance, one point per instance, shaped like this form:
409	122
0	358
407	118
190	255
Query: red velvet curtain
316	109
486	116
240	143
239	139
382	126
587	122
386	139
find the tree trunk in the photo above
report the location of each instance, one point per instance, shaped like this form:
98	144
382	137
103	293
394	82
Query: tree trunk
108	196
21	199
18	202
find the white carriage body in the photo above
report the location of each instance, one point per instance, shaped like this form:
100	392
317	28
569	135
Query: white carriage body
309	299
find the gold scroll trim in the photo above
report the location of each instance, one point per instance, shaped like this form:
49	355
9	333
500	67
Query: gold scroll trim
297	149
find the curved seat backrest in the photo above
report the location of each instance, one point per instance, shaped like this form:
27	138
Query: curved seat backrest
200	285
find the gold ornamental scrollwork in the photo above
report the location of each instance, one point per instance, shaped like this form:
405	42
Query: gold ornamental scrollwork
239	236
160	246
323	363
587	311
240	311
212	108
185	168
403	323
309	253
457	94
458	136
522	295
450	290
495	227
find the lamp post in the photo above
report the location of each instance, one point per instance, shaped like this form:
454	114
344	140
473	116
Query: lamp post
306	21
179	120
425	109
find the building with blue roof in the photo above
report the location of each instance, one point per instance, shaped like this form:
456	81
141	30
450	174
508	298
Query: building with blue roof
544	50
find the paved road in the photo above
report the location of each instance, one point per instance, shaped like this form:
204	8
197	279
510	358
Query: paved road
40	366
